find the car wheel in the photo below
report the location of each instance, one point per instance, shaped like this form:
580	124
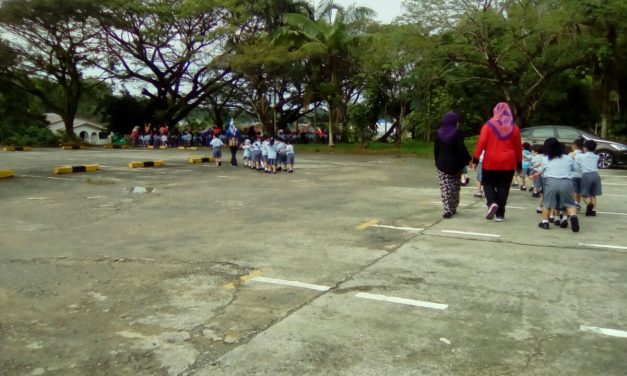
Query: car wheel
606	159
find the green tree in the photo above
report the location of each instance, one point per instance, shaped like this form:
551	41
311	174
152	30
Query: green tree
517	47
172	49
49	42
603	27
331	41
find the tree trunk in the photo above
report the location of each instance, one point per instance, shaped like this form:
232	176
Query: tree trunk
604	124
331	125
387	134
399	128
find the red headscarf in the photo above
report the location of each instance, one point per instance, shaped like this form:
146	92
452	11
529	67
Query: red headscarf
502	123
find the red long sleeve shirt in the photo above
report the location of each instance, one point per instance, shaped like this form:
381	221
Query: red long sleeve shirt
500	155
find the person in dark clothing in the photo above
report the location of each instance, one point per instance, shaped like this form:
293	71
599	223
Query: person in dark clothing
234	137
451	156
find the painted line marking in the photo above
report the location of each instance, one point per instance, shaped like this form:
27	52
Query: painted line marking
602	246
50	177
411	229
603	331
283	282
440	203
606	194
471	233
370	223
38	198
615	184
613	176
610	213
507	207
411	302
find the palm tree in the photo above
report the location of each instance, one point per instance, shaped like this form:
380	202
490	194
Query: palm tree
330	39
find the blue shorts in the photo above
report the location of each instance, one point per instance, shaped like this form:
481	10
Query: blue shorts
290	159
255	155
558	193
217	152
591	184
577	185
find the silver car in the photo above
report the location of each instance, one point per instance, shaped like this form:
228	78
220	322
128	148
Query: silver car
610	152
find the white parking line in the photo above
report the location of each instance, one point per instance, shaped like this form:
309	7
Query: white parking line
291	283
410	229
602	246
611	213
615	184
392	299
604	331
607	194
470	233
613	176
48	177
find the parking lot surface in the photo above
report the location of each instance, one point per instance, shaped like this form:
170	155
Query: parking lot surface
345	267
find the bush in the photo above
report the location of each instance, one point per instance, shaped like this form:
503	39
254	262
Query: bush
33	136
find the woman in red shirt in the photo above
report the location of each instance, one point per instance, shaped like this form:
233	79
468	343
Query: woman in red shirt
500	139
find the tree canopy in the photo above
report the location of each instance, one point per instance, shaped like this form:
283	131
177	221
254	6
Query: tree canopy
282	62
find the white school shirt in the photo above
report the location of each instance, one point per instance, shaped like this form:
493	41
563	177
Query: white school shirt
588	161
272	151
575	154
289	149
558	168
216	143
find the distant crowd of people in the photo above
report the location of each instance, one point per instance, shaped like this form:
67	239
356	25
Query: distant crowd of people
150	135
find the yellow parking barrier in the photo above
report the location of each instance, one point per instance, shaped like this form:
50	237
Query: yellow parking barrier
17	148
72	147
157	163
6	174
200	160
75	169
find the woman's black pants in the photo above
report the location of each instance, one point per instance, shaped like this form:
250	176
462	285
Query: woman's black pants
496	186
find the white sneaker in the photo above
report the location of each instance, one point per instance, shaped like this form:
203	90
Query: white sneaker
491	212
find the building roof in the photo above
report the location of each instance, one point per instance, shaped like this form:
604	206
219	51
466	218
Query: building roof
53	118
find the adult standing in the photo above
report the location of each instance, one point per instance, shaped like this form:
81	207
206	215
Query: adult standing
500	139
451	156
233	138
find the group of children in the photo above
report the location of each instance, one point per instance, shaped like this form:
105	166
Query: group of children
561	181
263	154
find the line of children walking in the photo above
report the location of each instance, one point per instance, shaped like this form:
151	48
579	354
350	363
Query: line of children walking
563	180
269	155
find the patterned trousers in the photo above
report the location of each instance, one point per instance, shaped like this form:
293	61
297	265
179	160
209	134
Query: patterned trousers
450	185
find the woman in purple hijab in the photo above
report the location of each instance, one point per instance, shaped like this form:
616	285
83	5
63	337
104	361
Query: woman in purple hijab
451	156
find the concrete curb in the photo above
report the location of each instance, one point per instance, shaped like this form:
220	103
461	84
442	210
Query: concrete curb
116	146
200	160
73	147
188	148
157	163
75	169
18	148
6	174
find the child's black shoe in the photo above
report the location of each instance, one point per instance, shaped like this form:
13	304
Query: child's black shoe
544	225
574	223
589	210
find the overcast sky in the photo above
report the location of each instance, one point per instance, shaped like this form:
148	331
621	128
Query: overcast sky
386	10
